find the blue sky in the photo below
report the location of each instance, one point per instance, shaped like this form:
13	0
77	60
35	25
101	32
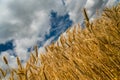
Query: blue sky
7	46
25	23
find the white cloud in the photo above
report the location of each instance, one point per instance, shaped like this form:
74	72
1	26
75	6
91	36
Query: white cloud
75	8
112	2
26	22
93	5
20	18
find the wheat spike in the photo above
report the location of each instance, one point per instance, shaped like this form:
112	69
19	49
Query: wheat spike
19	63
3	73
36	50
85	15
5	60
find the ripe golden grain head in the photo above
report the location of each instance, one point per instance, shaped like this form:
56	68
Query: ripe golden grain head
19	63
36	50
5	60
3	72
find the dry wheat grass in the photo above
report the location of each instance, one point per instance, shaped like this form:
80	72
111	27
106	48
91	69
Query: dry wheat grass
89	54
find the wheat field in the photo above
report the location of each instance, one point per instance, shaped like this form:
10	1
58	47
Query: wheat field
92	53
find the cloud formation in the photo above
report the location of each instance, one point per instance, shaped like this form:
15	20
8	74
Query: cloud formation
26	22
75	8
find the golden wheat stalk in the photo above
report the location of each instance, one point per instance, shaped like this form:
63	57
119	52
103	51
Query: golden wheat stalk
19	63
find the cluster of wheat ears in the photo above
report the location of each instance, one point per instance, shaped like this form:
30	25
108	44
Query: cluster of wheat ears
92	53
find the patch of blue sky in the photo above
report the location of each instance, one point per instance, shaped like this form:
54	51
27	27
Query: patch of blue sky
58	24
7	46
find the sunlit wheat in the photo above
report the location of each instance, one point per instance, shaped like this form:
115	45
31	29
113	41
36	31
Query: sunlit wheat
92	53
